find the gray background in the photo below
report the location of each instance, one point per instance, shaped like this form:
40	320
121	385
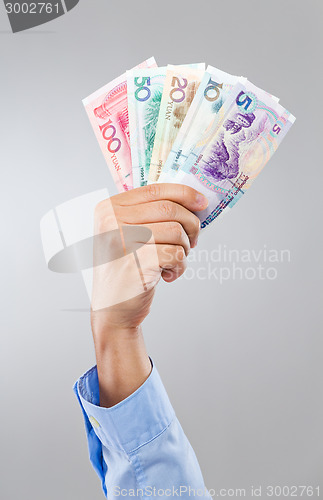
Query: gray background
242	361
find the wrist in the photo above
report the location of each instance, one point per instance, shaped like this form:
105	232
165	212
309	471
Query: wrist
107	327
122	361
107	336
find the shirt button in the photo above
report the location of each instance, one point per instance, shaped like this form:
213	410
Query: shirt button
94	422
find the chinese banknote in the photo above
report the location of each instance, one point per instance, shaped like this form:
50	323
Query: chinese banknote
190	125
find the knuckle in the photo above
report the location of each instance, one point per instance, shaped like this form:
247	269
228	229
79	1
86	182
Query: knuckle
167	209
105	216
172	255
166	256
177	230
152	191
180	253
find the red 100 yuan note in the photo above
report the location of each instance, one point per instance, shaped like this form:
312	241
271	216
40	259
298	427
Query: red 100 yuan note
107	109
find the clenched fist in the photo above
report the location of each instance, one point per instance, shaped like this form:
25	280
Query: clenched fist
141	236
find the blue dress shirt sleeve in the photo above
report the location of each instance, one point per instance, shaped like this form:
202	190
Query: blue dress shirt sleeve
138	447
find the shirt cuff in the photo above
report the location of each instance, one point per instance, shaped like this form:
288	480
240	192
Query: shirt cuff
133	422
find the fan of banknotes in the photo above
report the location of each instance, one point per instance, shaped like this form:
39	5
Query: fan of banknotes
184	124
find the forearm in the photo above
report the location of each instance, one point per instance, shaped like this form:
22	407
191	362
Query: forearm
122	362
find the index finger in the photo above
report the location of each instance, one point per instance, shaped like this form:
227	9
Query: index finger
184	195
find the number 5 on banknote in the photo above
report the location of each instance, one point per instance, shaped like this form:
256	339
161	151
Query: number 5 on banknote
223	164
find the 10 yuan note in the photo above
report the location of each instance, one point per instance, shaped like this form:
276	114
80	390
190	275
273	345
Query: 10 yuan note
180	87
250	126
201	117
107	109
145	89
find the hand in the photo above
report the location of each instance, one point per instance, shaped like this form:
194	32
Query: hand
122	290
165	212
